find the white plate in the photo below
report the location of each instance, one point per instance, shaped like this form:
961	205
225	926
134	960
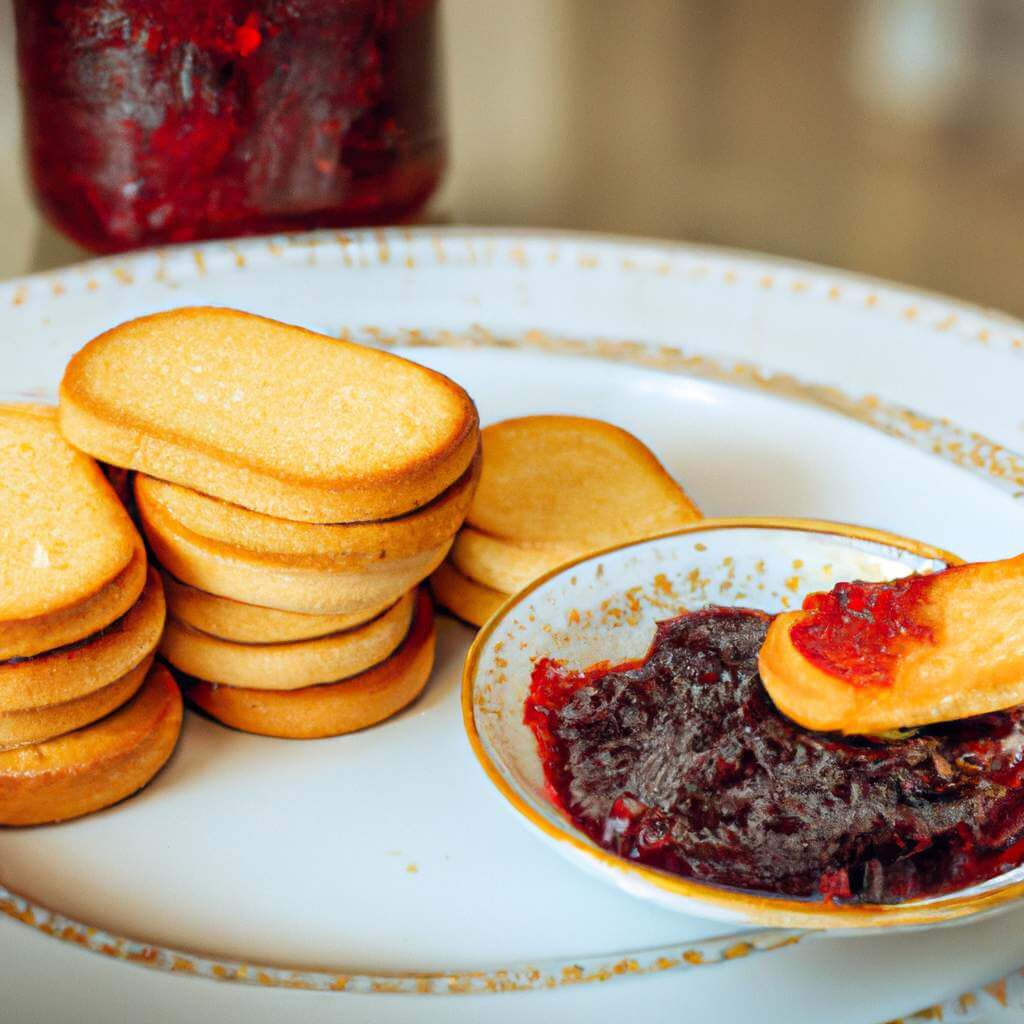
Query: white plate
301	855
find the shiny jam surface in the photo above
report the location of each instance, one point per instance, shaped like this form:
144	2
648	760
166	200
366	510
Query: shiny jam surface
856	631
682	762
162	122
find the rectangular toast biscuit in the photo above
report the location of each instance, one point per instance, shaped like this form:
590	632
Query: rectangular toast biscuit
268	416
63	533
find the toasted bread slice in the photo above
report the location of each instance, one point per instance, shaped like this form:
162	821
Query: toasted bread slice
566	479
276	582
33	725
315	546
24	638
63	533
873	657
97	766
249	623
288	666
332	708
269	416
89	665
505	565
470	601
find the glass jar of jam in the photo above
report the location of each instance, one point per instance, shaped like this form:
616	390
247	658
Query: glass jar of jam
154	121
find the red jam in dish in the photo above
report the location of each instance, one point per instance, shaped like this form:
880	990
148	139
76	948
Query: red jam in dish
149	122
856	631
682	762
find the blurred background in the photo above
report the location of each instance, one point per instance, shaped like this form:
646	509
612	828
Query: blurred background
884	136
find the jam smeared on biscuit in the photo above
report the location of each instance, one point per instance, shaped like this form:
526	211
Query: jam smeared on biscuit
681	761
857	631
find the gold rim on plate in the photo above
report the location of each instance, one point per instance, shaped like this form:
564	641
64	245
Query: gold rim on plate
578	253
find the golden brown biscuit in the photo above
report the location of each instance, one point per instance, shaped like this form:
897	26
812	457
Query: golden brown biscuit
505	565
95	767
567	479
227	403
288	666
24	638
32	725
250	623
331	708
470	601
274	582
85	667
64	533
315	546
873	657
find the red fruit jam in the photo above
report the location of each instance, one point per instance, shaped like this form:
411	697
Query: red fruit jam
857	631
682	762
162	122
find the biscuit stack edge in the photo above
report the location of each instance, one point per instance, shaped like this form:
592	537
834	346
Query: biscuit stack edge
86	719
295	491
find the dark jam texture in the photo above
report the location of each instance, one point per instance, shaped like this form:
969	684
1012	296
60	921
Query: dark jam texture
153	122
857	631
681	761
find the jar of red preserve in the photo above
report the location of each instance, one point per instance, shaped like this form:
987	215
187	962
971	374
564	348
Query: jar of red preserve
152	121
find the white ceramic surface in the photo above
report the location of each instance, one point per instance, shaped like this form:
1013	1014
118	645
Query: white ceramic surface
303	854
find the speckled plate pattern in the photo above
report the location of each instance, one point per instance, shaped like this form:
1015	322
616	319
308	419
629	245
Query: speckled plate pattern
383	861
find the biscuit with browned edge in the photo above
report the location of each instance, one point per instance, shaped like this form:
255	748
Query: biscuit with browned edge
251	623
314	545
26	638
874	657
573	480
89	665
331	708
289	666
94	767
276	581
505	565
269	416
470	601
32	725
69	554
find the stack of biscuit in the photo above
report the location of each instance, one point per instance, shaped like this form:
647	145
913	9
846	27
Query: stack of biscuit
553	488
85	718
295	490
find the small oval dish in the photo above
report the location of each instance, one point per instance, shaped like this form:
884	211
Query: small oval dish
604	608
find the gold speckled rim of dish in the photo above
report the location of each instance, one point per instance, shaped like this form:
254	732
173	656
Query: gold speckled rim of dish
758	908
